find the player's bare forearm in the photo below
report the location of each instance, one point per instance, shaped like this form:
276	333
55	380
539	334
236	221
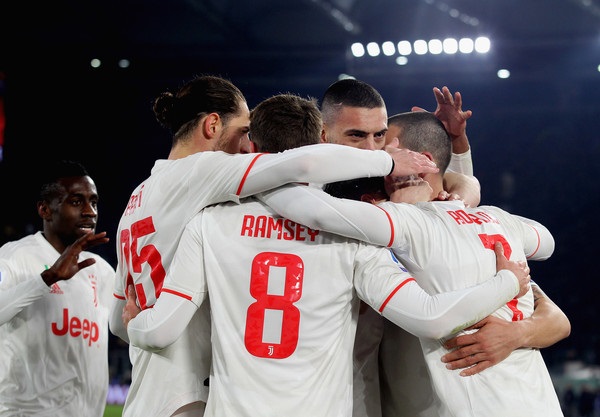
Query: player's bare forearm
497	338
548	324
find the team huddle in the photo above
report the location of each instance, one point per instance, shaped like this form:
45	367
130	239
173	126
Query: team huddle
245	286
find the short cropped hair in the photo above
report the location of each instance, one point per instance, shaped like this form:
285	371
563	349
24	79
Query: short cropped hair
50	176
285	121
422	131
349	92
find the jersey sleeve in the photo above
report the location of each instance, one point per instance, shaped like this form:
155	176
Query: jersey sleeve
387	287
538	242
158	327
318	210
183	292
321	163
16	293
461	163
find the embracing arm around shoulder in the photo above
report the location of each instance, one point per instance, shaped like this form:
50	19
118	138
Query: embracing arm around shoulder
318	210
157	327
326	162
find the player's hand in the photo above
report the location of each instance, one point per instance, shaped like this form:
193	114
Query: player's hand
131	309
446	196
493	341
519	268
408	162
67	264
449	111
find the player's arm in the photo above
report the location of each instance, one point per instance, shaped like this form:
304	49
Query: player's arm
325	163
16	294
157	327
497	338
183	292
436	316
465	187
449	111
538	242
318	210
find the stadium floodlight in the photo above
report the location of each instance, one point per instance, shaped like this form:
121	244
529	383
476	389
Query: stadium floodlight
482	45
402	60
450	46
373	49
503	73
465	45
388	48
420	47
404	48
358	50
435	46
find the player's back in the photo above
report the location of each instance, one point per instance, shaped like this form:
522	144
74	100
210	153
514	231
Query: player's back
147	237
446	247
283	314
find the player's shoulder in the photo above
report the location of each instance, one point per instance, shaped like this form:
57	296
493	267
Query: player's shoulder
19	247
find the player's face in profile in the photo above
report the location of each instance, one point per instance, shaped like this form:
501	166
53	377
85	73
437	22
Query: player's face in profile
234	136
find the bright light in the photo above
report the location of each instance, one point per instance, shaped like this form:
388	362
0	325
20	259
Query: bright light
420	47
404	48
450	45
95	63
402	60
123	63
435	46
503	73
388	48
357	49
465	45
373	49
482	45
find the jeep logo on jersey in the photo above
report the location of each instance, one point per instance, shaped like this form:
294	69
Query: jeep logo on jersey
76	327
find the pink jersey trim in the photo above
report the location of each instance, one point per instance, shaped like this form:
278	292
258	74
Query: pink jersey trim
402	284
239	190
538	239
392	232
177	293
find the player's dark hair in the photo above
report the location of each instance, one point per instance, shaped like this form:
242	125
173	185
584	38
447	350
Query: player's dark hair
423	131
285	121
53	172
205	94
349	92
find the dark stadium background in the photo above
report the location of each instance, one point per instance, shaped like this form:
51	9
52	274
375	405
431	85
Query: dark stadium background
535	136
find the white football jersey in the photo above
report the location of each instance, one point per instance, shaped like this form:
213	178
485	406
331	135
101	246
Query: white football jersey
150	229
53	340
284	308
446	246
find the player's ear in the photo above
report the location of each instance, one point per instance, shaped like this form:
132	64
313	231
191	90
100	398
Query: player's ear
44	210
252	147
211	125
